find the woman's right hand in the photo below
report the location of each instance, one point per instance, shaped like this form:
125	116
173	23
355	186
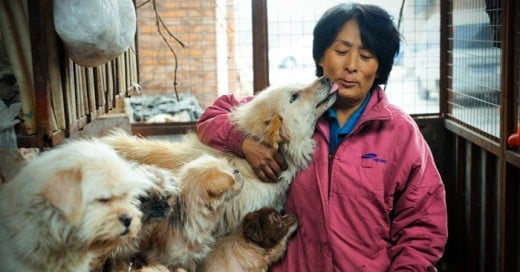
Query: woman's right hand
267	162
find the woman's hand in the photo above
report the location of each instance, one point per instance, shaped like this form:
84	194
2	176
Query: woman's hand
267	162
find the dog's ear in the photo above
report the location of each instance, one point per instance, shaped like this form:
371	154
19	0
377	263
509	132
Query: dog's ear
251	229
276	132
218	184
63	191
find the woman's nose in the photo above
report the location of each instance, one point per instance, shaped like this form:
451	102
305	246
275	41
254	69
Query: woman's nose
351	62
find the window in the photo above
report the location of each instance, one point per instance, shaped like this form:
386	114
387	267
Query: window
217	56
414	81
197	49
474	95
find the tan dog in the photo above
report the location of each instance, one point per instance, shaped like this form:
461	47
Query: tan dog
68	205
257	243
207	184
282	117
157	206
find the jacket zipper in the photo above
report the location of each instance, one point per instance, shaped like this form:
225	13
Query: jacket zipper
332	155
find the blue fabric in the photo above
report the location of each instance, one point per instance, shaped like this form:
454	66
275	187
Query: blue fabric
337	134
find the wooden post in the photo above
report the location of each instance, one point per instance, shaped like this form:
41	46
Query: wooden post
260	46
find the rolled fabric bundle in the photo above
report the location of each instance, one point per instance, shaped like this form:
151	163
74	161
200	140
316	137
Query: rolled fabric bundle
94	31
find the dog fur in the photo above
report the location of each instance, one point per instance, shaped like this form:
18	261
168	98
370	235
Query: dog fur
68	205
157	205
182	238
257	243
283	117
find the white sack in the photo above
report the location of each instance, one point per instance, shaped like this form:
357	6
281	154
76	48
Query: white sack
95	31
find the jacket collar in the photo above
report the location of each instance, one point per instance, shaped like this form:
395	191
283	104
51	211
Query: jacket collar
376	109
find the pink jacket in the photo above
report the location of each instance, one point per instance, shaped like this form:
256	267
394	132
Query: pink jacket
378	204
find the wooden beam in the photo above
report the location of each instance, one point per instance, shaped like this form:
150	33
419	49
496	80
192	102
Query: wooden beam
508	16
260	45
159	129
40	17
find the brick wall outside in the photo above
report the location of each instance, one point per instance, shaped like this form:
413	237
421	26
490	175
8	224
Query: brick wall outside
206	66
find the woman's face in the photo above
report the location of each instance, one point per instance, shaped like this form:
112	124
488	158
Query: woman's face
351	66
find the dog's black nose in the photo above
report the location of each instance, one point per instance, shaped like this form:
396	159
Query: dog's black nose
125	220
325	81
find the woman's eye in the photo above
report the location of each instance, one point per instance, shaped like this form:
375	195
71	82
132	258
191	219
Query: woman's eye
294	96
367	55
341	52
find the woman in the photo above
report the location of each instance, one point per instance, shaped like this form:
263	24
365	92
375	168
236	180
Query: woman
371	199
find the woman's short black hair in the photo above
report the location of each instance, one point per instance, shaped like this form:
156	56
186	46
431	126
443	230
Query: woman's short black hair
378	34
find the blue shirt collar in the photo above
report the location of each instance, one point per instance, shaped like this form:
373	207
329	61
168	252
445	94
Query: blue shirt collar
336	133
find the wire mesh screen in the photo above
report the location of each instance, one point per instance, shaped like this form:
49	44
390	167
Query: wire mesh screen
414	81
191	51
214	55
475	66
204	49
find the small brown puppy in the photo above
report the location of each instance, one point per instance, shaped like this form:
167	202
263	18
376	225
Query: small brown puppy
258	242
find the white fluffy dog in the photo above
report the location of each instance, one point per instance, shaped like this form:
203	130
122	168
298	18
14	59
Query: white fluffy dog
283	117
68	205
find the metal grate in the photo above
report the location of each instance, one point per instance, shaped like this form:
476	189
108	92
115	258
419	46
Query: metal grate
475	67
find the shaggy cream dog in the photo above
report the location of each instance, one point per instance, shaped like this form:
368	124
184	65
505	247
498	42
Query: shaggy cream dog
68	205
256	244
283	117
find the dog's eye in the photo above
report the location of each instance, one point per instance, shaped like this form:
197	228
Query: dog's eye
104	200
294	96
